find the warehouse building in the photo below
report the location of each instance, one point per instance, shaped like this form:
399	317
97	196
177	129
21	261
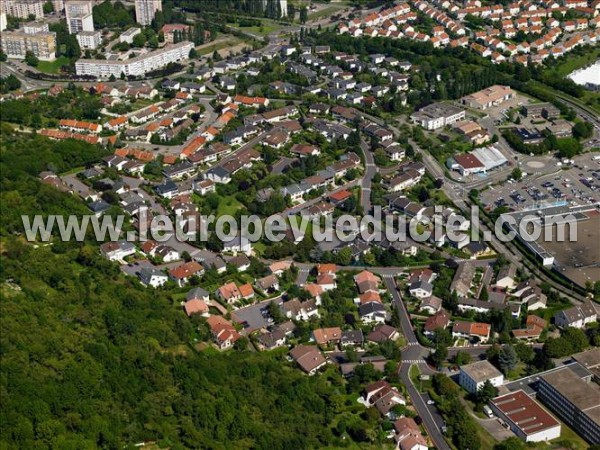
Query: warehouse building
526	417
488	98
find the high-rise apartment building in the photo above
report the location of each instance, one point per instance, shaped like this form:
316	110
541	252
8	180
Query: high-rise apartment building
145	10
24	8
79	16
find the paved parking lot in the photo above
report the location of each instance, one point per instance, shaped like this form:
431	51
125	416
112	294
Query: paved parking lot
546	183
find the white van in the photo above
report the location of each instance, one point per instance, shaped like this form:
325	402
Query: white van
488	411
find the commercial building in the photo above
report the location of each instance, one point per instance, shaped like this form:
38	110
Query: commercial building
137	66
79	16
16	44
473	376
145	10
89	40
574	401
438	115
24	8
526	417
127	36
488	98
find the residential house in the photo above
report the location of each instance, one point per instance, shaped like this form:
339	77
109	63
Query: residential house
117	250
308	357
223	332
471	330
327	336
151	277
182	273
577	316
229	293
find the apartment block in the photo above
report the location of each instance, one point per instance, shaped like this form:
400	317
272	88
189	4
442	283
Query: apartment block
24	8
89	40
79	16
137	66
17	44
145	10
36	27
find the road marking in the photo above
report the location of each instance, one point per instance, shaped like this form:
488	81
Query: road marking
413	361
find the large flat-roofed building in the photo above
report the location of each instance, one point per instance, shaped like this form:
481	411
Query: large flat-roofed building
79	16
590	359
526	417
473	376
574	401
137	66
438	115
488	98
17	44
24	8
145	10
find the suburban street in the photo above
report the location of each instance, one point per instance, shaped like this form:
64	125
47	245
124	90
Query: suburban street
414	353
367	179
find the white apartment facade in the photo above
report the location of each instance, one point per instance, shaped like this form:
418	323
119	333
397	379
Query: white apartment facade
36	27
145	10
137	66
79	16
24	8
89	40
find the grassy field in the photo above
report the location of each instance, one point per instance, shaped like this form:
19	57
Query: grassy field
330	10
568	439
576	62
263	30
211	48
228	205
53	66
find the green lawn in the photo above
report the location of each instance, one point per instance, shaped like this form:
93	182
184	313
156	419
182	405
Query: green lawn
229	206
263	30
329	11
209	49
568	439
53	66
576	62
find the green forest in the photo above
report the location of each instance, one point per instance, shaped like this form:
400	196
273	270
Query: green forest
90	359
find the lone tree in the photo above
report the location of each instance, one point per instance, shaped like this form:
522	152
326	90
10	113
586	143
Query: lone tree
31	59
486	392
507	359
516	173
